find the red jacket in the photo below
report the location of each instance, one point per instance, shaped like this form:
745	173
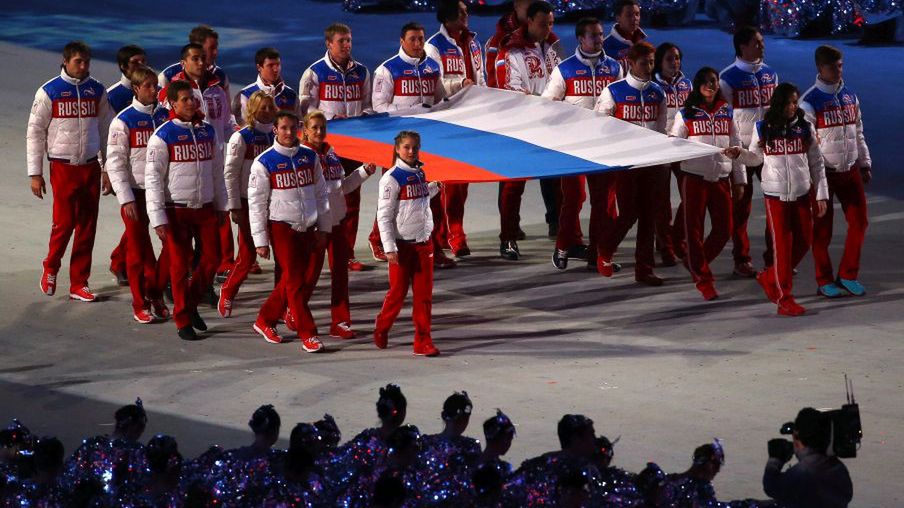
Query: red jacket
506	25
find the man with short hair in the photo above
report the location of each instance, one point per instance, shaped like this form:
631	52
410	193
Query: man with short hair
457	50
269	79
209	40
747	85
186	196
340	87
580	80
68	124
834	110
625	32
524	65
408	79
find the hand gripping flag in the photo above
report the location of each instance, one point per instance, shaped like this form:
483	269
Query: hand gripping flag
489	135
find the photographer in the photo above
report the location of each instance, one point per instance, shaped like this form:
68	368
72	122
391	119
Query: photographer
817	480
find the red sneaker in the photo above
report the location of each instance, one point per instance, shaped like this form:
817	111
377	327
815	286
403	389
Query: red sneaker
161	311
355	266
267	332
48	283
769	287
791	308
255	269
143	316
605	267
709	292
381	339
377	251
311	345
342	331
82	294
289	320
425	348
224	304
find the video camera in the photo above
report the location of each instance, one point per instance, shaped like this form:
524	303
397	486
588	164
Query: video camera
842	425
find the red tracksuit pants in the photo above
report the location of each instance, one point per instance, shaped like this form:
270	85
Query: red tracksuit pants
573	197
349	224
227	248
118	256
294	250
740	215
244	259
185	224
790	225
147	277
698	197
338	251
415	269
847	186
636	193
663	214
510	193
603	209
454	196
76	193
679	246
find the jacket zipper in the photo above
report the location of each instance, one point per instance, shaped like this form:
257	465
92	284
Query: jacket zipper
194	140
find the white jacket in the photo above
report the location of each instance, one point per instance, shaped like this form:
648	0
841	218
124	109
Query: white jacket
336	92
642	103
791	162
184	168
748	88
402	82
337	183
712	128
244	146
127	143
454	61
577	80
214	102
835	111
69	121
529	68
287	185
403	207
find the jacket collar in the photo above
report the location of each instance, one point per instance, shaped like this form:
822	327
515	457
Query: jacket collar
271	90
323	150
636	82
182	123
453	40
585	61
828	87
678	77
72	81
519	39
333	65
399	163
284	150
409	60
142	108
639	35
265	128
126	82
719	104
746	66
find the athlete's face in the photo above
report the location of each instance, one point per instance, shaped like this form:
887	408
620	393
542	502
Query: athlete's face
755	48
211	49
831	72
629	18
184	106
408	150
461	23
642	67
78	66
135	62
315	131
671	63
540	26
286	130
413	43
146	92
710	87
195	63
266	113
270	70
340	47
592	40
791	106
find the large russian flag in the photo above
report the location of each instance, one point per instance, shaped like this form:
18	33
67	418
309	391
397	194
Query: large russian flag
487	135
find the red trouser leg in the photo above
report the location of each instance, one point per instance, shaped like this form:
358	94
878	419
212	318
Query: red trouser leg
603	209
399	279
848	188
245	258
183	224
162	274
437	236
141	265
295	249
313	268
662	213
790	225
698	196
76	194
455	195
227	248
719	206
510	209
740	215
349	224
374	236
421	262
118	256
625	191
573	197
338	251
678	222
645	201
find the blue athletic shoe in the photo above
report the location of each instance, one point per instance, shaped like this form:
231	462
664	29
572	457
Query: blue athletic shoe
852	286
831	290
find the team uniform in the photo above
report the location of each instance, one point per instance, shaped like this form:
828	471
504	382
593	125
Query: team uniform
284	96
705	185
669	235
168	74
792	165
244	146
748	89
343	92
835	112
287	199
185	190
406	225
642	103
526	66
338	186
580	80
460	59
120	97
616	45
129	135
68	124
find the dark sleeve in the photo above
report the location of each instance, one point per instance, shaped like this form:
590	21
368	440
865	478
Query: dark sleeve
777	485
